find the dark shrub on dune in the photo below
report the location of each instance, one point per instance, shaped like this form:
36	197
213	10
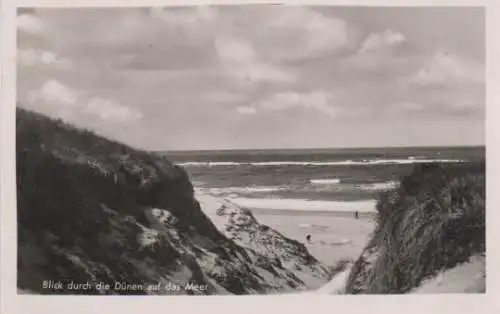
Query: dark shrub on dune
432	222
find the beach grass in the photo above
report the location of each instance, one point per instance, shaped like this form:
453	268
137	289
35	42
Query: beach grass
434	221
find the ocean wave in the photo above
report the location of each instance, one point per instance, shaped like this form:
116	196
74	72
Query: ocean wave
234	191
410	160
379	186
325	181
209	163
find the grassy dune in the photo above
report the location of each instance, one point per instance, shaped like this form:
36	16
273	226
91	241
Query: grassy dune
434	221
94	210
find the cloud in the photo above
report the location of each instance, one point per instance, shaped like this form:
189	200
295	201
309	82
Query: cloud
261	72
109	110
30	24
127	38
269	34
379	54
235	50
447	83
458	100
377	42
55	92
245	110
276	33
410	106
188	20
310	33
220	62
61	100
36	57
220	96
446	69
239	59
318	100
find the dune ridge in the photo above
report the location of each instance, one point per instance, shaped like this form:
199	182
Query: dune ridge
432	223
94	210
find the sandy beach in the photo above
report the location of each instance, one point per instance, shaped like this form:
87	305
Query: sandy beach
334	236
335	233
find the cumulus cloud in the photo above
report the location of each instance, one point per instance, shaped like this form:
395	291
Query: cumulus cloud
307	32
378	53
29	23
194	26
235	50
190	20
246	110
455	100
447	83
446	69
253	40
267	59
377	42
60	99
55	92
279	33
110	110
317	100
36	57
239	59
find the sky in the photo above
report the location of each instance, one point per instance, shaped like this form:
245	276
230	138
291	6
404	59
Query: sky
258	76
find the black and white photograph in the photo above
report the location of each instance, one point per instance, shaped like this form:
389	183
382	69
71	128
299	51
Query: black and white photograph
250	149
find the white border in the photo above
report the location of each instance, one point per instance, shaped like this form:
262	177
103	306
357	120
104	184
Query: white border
13	303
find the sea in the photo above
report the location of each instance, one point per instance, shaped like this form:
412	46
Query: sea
348	179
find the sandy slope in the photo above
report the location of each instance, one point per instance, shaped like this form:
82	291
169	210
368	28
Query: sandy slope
337	284
465	278
240	225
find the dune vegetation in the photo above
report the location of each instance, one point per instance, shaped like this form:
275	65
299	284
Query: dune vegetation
433	222
94	210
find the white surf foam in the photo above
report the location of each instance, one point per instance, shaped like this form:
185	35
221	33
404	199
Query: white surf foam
306	205
244	190
379	186
320	163
325	181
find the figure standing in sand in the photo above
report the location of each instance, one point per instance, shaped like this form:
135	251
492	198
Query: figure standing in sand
356	214
308	238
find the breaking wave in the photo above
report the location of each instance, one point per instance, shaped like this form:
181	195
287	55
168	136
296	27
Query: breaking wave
369	162
245	190
325	181
379	186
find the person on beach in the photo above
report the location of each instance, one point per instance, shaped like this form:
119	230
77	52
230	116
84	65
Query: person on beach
356	214
308	238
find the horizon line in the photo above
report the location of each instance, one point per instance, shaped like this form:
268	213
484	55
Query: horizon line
318	148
